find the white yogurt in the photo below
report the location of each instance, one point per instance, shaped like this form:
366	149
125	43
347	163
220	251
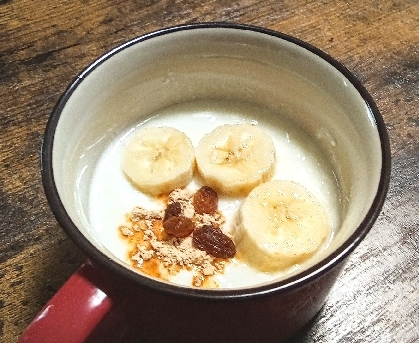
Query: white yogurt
112	196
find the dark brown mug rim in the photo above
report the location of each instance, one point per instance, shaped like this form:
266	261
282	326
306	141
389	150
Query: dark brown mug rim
298	280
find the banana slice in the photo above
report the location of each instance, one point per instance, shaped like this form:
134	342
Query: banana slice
158	160
234	159
280	224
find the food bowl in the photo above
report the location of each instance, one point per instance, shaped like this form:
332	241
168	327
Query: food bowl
329	136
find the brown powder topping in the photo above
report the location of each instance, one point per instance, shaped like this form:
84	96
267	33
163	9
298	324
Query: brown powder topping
163	243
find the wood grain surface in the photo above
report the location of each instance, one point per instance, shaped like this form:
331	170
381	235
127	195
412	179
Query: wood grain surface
45	44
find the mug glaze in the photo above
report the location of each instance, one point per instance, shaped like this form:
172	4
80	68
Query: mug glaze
109	301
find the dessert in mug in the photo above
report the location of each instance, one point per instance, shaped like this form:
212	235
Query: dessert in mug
215	195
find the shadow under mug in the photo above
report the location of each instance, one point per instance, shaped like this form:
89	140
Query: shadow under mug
106	300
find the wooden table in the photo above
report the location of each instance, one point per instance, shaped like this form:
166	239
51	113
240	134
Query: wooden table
45	44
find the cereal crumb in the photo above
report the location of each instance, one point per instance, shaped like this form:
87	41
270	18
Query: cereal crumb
126	231
173	253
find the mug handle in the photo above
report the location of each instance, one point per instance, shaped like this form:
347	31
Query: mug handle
74	312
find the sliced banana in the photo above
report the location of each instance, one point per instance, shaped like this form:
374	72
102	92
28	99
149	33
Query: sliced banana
280	224
234	159
158	160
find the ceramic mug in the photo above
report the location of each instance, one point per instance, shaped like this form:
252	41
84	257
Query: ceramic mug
292	83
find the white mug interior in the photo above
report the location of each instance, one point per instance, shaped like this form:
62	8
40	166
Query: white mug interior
149	74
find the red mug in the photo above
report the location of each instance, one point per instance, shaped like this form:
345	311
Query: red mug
107	300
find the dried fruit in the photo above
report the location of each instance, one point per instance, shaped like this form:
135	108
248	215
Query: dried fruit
173	209
178	226
205	200
213	241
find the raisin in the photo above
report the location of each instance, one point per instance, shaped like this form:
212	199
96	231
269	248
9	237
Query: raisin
213	241
178	226
205	200
173	209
